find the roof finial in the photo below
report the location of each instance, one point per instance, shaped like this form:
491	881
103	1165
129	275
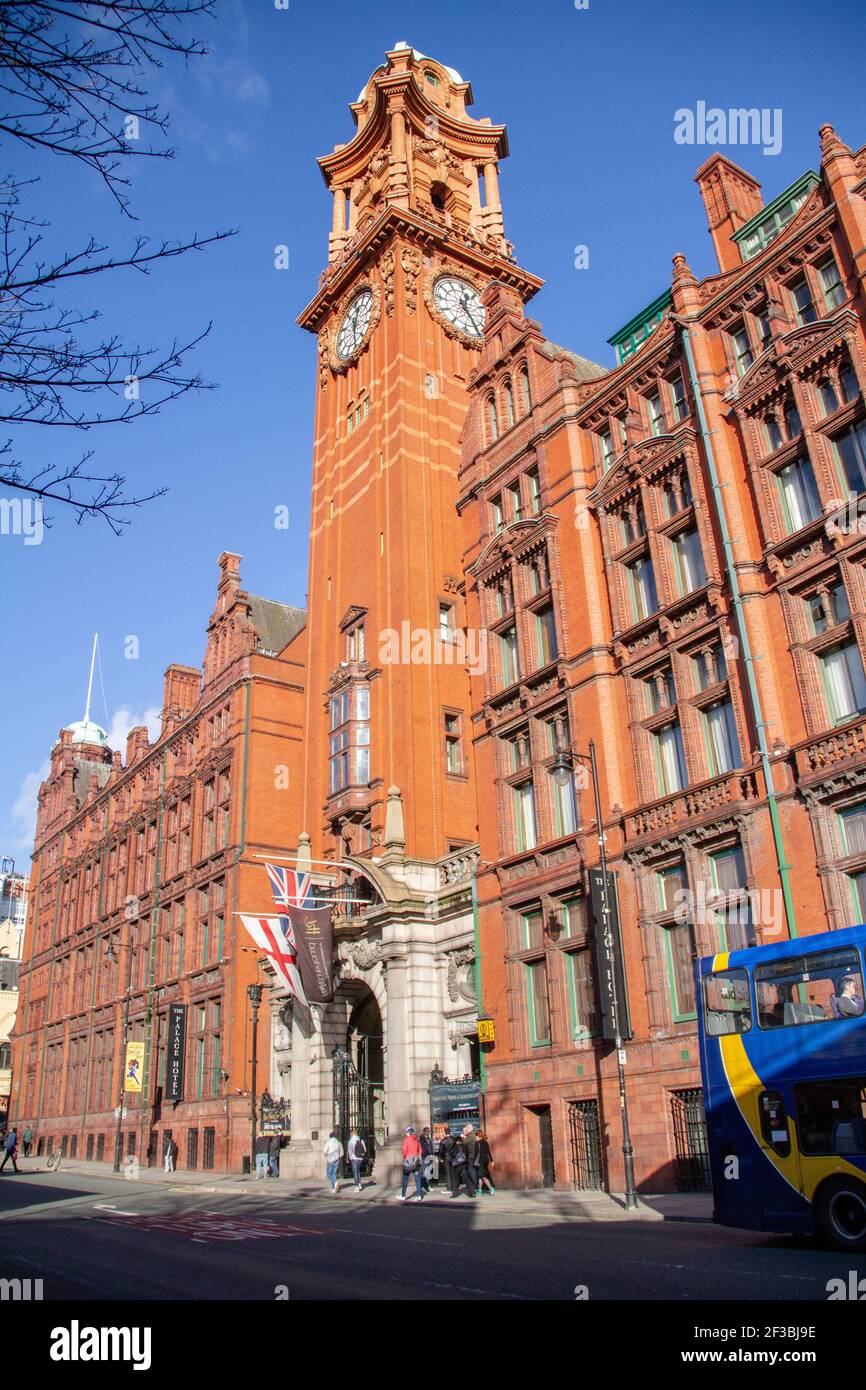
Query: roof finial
830	142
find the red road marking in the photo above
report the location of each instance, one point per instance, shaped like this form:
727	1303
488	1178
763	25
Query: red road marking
203	1227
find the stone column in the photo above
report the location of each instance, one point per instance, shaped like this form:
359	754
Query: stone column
493	207
338	228
399	181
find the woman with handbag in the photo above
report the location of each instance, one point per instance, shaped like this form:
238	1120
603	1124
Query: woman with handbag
411	1164
483	1161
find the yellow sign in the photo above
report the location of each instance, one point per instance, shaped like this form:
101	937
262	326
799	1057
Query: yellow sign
133	1066
486	1030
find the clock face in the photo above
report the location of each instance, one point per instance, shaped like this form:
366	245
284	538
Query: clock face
356	321
460	303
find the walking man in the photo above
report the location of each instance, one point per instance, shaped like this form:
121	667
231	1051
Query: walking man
426	1157
356	1152
28	1140
169	1154
333	1151
411	1164
10	1149
446	1145
482	1160
274	1156
461	1169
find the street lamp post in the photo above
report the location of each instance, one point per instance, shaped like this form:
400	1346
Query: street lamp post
111	958
255	994
562	770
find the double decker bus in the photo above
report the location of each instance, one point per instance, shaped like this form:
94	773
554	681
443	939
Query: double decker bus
783	1058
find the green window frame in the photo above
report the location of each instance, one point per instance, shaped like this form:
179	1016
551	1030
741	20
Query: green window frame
679	1014
581	1031
537	970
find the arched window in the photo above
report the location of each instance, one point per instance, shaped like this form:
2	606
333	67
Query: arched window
491	416
524	388
509	404
5	1056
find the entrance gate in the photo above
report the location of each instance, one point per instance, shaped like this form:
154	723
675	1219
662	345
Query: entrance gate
353	1105
584	1130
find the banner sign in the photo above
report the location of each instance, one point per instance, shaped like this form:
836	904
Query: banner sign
453	1105
609	957
174	1066
314	942
276	1116
133	1067
486	1030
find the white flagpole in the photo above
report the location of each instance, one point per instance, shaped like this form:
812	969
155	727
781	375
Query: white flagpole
90	680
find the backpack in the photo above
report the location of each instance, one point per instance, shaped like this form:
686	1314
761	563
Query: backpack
360	1148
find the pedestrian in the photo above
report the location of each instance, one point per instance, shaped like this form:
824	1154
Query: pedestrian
446	1145
356	1152
461	1169
333	1151
426	1157
169	1152
411	1164
28	1140
274	1156
263	1148
10	1149
482	1163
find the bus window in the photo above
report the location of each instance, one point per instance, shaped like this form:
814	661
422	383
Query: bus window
727	1006
809	989
831	1116
774	1125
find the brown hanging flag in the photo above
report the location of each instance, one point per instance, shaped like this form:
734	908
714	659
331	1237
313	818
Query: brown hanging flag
314	943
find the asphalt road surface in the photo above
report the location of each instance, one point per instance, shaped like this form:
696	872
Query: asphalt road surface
105	1238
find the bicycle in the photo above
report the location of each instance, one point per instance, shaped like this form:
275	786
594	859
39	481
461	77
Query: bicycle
52	1162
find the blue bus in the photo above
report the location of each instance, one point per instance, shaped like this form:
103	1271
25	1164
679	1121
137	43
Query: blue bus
783	1058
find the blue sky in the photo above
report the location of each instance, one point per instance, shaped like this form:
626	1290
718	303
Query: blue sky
589	98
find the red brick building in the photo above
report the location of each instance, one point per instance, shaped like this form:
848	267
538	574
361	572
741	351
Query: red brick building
668	559
140	867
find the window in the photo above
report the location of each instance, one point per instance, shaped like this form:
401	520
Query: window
431	78
831	1116
349	746
827	607
850	450
848	382
844	682
524	389
831	284
721	734
606	446
792	420
564	806
633	523
583	1009
509	664
680	961
514	505
496	513
539	1013
532	930
852	824
492	422
534	483
857	882
672	882
799	494
446	622
644	599
509	404
827	395
815	988
518	751
743	355
727	1005
678	398
804	308
734	913
670	759
524	815
539	573
656	414
773	433
765	331
453	744
504	597
545	635
689	561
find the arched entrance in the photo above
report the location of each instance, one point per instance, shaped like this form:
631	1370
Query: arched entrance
358	1071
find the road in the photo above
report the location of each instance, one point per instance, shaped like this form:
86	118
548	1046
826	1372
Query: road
101	1237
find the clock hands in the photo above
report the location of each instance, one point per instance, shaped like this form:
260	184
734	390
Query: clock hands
466	301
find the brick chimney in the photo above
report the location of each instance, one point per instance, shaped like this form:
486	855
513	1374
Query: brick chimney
180	692
731	197
137	744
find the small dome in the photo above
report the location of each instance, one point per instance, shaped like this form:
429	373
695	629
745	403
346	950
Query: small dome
85	731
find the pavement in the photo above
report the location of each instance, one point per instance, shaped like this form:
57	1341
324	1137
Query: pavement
535	1203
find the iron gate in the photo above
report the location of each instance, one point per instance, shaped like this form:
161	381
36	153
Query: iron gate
587	1165
690	1140
353	1105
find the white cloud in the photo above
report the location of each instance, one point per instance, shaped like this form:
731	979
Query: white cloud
23	813
125	719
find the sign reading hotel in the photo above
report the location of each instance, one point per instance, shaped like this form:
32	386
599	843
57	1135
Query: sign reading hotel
314	943
174	1066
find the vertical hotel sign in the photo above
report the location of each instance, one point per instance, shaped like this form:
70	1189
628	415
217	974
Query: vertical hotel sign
176	1052
609	957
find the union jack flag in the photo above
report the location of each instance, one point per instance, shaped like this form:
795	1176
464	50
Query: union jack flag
290	889
273	936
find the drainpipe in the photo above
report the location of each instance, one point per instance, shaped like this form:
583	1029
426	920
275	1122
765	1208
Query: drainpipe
742	630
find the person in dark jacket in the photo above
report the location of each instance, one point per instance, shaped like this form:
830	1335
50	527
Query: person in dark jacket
461	1170
426	1157
10	1149
274	1156
263	1148
482	1162
446	1144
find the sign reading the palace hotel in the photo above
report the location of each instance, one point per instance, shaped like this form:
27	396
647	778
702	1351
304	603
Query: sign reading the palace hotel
176	1052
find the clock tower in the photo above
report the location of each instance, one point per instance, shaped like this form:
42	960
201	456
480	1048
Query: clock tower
416	238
